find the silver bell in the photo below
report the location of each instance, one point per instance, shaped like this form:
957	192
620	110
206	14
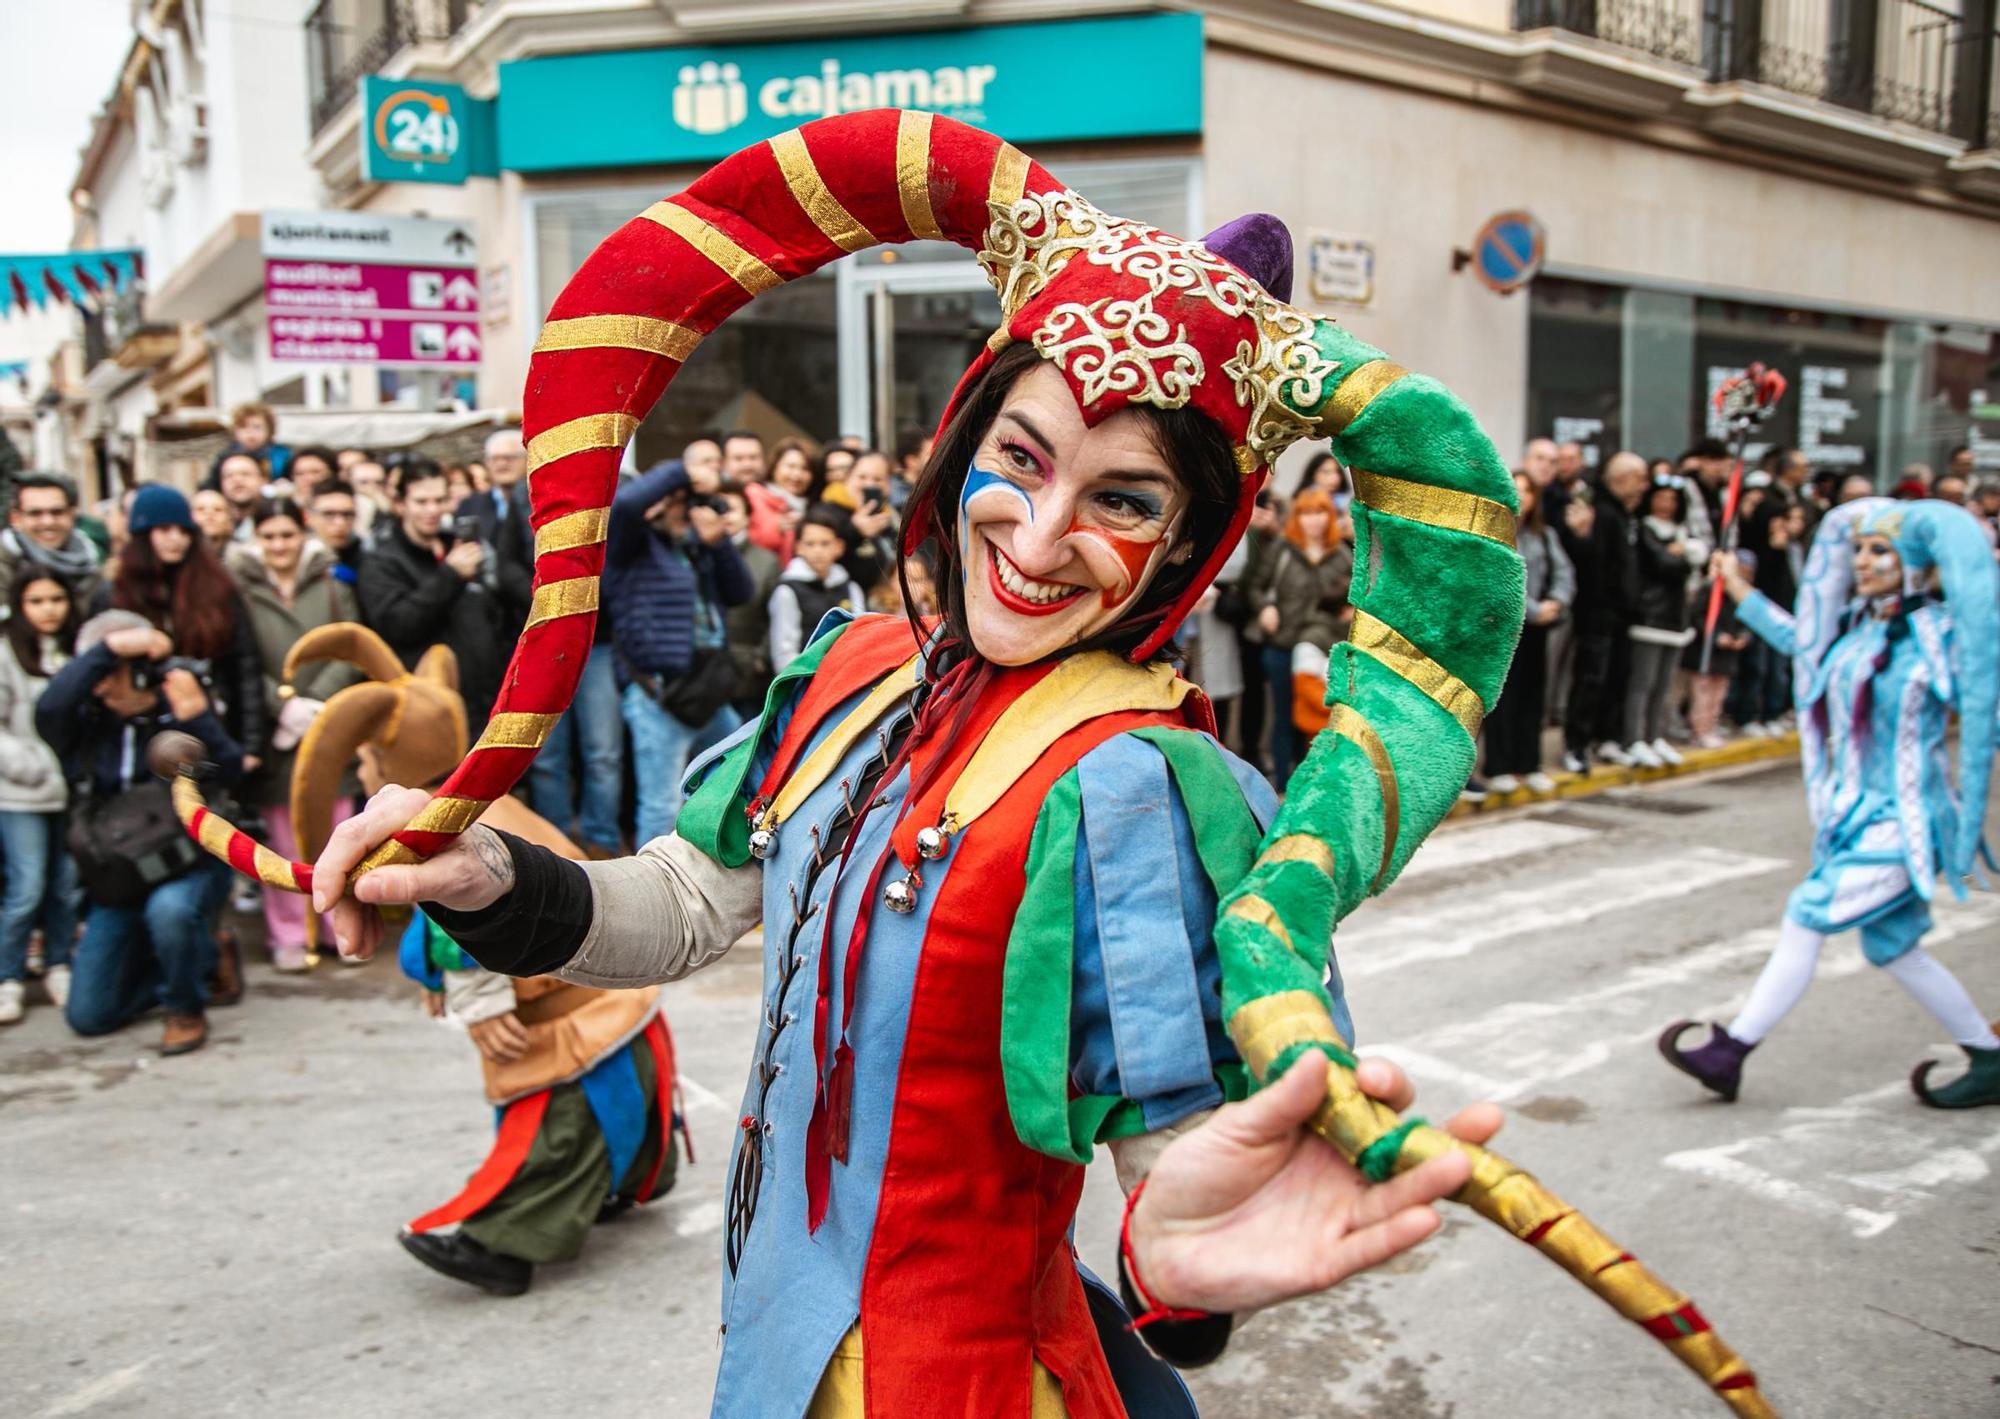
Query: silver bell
901	896
932	843
764	844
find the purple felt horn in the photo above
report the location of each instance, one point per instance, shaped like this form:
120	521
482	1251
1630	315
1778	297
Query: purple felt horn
1260	246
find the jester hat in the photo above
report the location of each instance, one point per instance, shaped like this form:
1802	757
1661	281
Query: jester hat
414	721
1129	315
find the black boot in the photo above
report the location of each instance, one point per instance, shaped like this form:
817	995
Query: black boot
1717	1064
462	1259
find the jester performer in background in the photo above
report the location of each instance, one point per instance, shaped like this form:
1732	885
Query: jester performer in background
1016	900
582	1079
1896	628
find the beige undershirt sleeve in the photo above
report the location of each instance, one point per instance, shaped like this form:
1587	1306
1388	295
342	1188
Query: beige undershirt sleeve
1134	1156
656	916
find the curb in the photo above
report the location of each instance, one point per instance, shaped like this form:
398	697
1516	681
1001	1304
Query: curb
1608	776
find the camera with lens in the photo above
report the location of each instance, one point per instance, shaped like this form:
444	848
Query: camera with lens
465	528
151	674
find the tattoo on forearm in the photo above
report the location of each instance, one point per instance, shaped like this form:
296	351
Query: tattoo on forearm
493	856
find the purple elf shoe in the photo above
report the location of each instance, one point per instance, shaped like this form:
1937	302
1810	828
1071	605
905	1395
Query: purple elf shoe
1717	1064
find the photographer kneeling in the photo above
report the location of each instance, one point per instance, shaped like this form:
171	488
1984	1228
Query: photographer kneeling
149	941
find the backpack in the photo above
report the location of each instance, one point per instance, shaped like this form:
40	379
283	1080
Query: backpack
130	843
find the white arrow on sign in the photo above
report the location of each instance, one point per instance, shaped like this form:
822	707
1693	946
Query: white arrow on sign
463	342
461	293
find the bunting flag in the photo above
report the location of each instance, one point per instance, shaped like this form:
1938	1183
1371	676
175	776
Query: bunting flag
81	277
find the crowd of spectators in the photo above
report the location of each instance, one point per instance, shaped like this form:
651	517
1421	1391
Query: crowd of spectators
169	612
1618	558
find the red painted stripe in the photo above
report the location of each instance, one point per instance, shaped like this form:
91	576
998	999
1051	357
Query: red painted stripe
661	1045
1675	1325
1542	1231
195	822
242	852
518	1127
1746	1380
1619	1260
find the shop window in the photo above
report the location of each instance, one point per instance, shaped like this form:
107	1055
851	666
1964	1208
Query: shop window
1834	363
771	367
1638	368
1576	333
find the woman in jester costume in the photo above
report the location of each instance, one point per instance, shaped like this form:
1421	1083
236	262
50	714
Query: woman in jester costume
1896	629
1016	900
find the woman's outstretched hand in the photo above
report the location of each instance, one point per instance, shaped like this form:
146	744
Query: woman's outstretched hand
1250	1209
472	874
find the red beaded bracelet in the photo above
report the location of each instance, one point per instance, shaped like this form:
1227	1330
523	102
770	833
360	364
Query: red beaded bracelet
1154	1310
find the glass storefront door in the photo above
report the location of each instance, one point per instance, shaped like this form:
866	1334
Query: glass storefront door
908	331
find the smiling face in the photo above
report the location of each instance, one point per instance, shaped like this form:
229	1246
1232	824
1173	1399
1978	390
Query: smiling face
281	541
1061	527
793	472
1878	568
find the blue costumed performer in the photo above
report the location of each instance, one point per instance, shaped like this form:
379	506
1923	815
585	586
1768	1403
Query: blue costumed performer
1897	628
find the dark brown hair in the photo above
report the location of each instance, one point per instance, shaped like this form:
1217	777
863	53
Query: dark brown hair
1193	446
194	602
25	639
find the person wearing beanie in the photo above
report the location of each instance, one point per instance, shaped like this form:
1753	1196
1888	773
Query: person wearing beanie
169	574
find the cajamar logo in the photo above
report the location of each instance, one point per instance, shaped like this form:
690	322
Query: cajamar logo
710	97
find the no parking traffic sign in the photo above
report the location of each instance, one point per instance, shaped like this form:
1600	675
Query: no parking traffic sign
1508	251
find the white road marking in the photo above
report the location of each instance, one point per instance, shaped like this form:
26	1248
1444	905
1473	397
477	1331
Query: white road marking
699	1218
1882	1116
1466	922
707	1098
89	1395
1471	847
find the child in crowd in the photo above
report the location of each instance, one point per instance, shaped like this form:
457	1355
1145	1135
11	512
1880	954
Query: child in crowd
1707	689
813	583
41	878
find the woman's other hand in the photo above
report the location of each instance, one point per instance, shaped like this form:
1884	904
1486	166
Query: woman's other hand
1250	1209
1267	619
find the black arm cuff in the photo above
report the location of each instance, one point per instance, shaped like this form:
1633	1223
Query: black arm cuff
1184	1344
536	928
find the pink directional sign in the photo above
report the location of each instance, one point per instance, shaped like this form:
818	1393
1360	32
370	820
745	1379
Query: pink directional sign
349	313
411	299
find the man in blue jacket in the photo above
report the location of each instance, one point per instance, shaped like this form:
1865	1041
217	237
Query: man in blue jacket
99	722
670	571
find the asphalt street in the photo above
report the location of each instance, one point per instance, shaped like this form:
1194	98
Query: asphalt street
215	1235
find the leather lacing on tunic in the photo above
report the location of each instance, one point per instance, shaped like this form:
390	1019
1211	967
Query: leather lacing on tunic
830	842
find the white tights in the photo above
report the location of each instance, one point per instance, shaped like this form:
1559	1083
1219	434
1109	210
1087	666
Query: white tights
1786	975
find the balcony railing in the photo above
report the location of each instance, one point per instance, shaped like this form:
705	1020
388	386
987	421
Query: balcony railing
346	40
1919	62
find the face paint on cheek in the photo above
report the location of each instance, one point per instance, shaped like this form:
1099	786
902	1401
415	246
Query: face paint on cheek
997	492
1132	554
